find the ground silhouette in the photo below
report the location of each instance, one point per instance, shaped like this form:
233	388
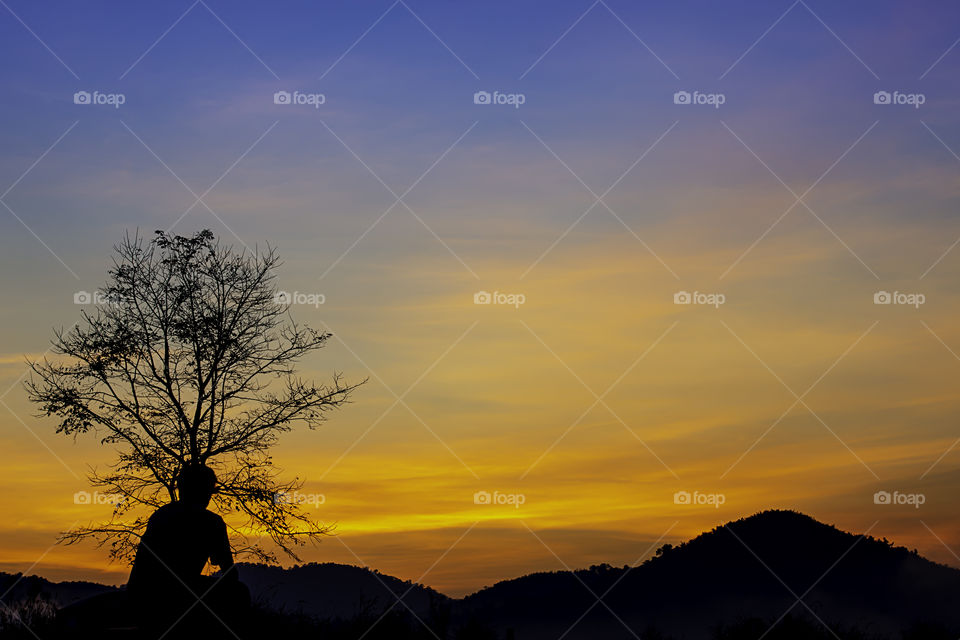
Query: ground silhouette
724	584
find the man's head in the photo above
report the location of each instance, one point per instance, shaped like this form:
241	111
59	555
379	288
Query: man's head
196	484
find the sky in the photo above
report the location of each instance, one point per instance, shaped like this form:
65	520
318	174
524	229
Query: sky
789	169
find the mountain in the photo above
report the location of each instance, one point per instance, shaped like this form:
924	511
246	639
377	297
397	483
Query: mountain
740	576
331	590
730	583
15	587
747	570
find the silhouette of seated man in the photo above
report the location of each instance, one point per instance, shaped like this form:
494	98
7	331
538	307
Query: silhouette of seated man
166	581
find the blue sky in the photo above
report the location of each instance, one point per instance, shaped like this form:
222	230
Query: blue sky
198	98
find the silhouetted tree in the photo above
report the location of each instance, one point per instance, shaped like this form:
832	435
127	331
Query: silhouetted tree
189	358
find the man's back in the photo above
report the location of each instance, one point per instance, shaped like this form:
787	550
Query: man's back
179	540
166	581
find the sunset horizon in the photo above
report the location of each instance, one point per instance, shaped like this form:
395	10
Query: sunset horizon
607	275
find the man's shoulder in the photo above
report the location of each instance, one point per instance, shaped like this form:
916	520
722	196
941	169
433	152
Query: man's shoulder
164	512
213	519
177	511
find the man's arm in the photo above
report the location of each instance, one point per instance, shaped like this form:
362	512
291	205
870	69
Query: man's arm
221	554
144	560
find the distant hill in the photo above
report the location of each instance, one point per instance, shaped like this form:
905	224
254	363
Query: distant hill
725	578
19	588
725	584
331	590
733	574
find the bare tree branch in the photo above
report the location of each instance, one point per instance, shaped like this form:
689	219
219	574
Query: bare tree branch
189	359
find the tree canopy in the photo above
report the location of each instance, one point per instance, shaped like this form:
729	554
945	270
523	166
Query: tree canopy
189	357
